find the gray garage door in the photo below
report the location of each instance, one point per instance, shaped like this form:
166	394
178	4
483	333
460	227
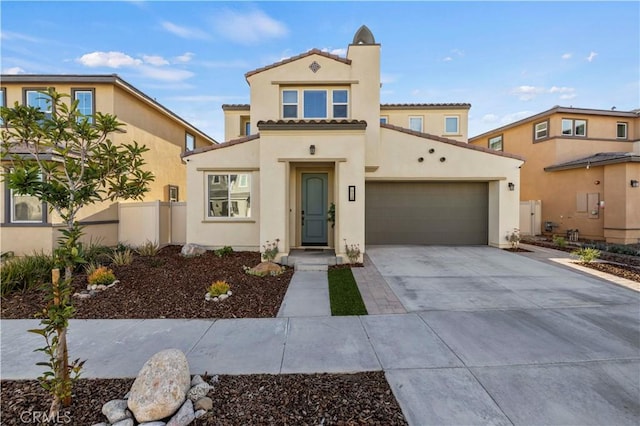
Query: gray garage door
451	213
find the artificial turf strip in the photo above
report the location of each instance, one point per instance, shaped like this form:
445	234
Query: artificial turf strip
344	294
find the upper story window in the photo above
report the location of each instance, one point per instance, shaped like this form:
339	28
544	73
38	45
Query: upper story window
384	120
452	124
621	130
247	128
495	143
228	195
415	124
571	127
315	103
86	104
189	142
35	98
289	104
340	103
541	130
3	101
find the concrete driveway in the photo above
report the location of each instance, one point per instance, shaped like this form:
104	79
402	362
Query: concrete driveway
518	341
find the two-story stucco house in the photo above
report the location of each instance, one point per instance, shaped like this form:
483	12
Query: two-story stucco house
316	161
583	165
26	225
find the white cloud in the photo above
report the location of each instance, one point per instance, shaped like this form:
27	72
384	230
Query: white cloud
206	98
490	118
155	60
339	52
165	74
447	59
515	116
567	56
388	78
225	64
565	92
13	71
591	56
184	58
10	35
108	59
526	93
249	28
184	32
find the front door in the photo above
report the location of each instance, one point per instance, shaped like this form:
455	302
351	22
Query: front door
314	209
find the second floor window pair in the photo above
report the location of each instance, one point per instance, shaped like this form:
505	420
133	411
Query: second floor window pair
315	103
42	101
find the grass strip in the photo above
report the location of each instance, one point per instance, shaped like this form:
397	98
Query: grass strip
344	294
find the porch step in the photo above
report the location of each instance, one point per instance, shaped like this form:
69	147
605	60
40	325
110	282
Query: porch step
304	266
310	260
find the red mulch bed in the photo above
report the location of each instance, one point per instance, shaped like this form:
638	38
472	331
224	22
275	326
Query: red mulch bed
288	399
623	271
170	285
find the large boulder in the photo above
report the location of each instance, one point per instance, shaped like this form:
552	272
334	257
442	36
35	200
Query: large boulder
266	268
161	387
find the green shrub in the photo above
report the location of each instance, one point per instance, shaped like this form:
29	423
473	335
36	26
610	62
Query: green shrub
353	251
24	273
101	276
559	241
121	258
270	250
96	253
148	249
586	254
218	288
224	251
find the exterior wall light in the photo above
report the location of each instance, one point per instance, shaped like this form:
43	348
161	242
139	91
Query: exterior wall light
312	149
512	186
352	192
634	183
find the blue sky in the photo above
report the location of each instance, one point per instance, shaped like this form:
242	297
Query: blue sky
508	59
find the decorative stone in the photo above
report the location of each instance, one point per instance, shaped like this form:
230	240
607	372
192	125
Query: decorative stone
184	416
192	250
204	403
152	424
116	410
113	283
92	293
207	297
222	296
215	379
229	293
198	391
125	422
161	386
82	295
215	299
101	424
266	268
101	287
196	380
126	395
198	414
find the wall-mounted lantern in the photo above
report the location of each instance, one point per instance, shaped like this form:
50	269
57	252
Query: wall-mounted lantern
635	183
312	149
512	186
352	192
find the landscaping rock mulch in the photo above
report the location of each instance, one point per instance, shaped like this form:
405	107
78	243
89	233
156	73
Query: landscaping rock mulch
294	399
623	271
170	285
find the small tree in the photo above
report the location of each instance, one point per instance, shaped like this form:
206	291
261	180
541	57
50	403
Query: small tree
66	159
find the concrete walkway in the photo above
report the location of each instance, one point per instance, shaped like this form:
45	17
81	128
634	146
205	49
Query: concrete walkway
307	295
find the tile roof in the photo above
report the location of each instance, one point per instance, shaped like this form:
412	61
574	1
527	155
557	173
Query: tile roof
595	160
450	141
295	58
425	106
236	107
220	145
312	124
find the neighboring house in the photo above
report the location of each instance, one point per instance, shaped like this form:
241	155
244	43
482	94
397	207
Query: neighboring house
584	167
315	136
26	225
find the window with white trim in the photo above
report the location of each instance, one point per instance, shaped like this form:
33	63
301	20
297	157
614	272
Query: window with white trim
189	142
37	99
25	208
289	104
541	130
495	143
573	127
452	125
415	124
86	103
340	103
621	130
384	120
314	103
228	195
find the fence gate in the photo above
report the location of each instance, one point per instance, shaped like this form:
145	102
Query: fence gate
530	217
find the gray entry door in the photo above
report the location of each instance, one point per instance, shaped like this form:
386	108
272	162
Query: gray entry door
447	213
314	209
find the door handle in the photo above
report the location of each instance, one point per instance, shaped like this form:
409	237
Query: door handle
302	217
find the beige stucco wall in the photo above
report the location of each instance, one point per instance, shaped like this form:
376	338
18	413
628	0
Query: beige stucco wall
400	155
622	207
234	124
239	233
433	120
